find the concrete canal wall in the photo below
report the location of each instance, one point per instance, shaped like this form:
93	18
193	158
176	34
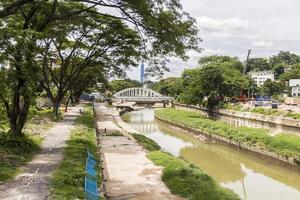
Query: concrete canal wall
235	118
290	163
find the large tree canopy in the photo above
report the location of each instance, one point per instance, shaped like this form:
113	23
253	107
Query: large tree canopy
118	85
258	64
215	78
52	42
171	86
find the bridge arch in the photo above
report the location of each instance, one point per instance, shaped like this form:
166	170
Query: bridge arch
137	94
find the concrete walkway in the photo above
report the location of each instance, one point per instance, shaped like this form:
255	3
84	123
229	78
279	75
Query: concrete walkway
128	173
34	181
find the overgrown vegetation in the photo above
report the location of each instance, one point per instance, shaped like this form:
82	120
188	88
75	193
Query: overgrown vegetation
282	144
15	152
126	118
188	181
264	111
147	143
183	179
68	179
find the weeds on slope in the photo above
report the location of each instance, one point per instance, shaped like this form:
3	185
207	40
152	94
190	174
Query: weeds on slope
183	179
282	144
68	179
189	181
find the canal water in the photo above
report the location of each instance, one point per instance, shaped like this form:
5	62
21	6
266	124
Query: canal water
251	178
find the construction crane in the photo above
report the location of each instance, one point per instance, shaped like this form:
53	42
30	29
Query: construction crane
247	62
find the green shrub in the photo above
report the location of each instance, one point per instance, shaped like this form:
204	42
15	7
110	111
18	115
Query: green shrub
283	144
189	181
68	179
16	151
147	143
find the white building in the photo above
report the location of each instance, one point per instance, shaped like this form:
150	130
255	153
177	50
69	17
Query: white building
261	76
287	68
295	85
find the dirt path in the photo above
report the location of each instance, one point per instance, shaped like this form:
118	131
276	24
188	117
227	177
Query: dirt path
34	181
128	173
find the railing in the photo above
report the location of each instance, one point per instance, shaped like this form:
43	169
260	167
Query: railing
145	99
91	188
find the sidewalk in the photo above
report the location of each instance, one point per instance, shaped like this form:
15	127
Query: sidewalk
128	173
34	181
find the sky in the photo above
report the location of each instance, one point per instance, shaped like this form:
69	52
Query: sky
231	27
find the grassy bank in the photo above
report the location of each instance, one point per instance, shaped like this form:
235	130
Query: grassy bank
282	144
68	179
183	179
263	111
17	151
188	181
147	143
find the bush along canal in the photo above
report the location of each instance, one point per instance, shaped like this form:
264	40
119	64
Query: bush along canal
282	147
183	179
249	177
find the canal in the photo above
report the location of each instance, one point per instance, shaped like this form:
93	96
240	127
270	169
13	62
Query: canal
251	178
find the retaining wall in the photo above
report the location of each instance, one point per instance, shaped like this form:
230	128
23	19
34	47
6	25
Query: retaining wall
273	123
261	153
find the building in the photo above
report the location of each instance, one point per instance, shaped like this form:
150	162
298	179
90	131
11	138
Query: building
295	85
142	73
287	68
261	76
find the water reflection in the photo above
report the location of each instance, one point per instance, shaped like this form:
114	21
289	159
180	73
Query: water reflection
251	178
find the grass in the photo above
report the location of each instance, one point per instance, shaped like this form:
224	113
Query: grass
263	111
147	143
126	118
188	181
15	152
68	179
282	144
183	179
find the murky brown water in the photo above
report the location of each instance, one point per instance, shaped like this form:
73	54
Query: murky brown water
251	178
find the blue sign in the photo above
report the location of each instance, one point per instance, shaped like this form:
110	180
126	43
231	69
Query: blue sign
263	99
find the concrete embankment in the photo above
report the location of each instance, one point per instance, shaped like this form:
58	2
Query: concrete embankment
258	152
273	123
127	172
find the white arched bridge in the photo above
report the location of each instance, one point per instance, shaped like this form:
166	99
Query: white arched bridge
141	95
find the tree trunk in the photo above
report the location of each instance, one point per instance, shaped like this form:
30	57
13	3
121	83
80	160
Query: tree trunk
17	115
56	105
67	103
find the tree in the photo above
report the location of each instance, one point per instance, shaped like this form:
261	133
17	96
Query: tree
233	62
191	82
283	59
118	85
271	88
17	80
88	80
258	64
170	86
71	49
215	78
293	74
164	29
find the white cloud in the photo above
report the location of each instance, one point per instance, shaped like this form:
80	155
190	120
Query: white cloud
207	52
215	25
263	44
